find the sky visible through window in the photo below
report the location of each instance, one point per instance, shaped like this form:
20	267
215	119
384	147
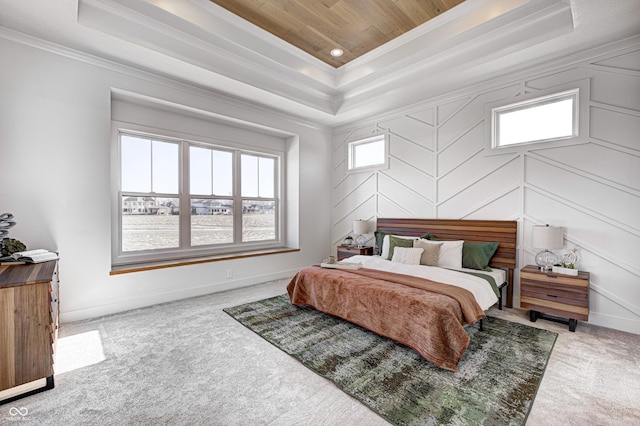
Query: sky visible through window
152	166
369	154
533	123
211	171
366	153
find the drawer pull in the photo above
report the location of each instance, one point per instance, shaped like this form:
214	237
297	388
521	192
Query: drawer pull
552	295
552	276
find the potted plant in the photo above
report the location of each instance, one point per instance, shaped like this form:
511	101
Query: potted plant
568	265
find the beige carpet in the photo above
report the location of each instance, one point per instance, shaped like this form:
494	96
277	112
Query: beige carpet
189	363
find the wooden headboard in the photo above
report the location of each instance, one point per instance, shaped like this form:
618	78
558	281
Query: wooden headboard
502	231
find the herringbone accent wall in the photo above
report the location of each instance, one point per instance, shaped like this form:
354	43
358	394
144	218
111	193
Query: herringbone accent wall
441	167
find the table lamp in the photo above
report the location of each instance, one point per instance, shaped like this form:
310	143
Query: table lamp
360	227
547	238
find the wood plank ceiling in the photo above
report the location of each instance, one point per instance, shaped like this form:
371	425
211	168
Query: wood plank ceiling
355	26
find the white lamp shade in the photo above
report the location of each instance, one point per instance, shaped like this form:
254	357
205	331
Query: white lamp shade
547	237
360	226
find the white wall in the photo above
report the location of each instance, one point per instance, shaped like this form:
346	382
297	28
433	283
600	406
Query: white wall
55	138
439	169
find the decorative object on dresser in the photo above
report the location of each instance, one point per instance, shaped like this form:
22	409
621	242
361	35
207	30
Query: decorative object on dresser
348	241
568	265
556	295
547	238
347	251
360	227
6	223
28	328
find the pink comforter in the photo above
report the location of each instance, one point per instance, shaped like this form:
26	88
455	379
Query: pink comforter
425	315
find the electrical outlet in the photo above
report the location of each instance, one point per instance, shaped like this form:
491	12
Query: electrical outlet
229	273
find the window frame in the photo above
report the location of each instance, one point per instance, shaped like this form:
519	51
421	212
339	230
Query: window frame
538	98
185	249
351	145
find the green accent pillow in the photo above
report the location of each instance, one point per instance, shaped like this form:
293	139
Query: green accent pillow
478	255
379	235
398	242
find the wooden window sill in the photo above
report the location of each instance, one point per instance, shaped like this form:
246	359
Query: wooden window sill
140	267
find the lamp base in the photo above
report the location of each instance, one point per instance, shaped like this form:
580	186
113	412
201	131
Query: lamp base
546	259
360	240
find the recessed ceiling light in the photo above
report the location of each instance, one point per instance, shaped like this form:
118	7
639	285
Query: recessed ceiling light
336	52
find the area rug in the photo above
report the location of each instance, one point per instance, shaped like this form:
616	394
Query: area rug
496	384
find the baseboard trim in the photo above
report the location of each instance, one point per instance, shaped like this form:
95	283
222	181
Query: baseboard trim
127	305
617	323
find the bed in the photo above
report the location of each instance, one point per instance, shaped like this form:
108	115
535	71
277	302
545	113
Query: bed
424	310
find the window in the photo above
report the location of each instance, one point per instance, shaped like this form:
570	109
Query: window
183	199
548	118
367	154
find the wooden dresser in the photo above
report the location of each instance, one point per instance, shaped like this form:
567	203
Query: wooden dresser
560	295
28	328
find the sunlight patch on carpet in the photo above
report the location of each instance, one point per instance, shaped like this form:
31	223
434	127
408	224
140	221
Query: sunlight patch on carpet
78	350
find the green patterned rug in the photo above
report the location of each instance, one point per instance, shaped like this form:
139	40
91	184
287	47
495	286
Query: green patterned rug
496	383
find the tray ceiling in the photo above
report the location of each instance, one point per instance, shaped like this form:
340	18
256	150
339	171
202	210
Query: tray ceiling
354	26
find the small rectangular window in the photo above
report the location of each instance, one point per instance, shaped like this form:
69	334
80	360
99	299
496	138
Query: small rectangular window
367	153
543	119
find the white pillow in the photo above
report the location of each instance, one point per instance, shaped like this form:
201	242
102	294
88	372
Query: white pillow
384	253
408	255
450	254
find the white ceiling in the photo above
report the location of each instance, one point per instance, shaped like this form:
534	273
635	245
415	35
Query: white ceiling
200	43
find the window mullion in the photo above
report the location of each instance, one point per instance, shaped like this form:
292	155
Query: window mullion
185	197
151	162
237	198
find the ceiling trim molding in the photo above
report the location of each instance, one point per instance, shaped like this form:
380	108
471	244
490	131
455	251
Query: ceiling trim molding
207	51
579	59
156	78
479	47
205	47
185	31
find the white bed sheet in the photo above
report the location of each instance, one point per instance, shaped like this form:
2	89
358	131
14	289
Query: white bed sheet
479	287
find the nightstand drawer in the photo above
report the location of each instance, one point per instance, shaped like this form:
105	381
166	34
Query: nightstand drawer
560	280
555	292
347	251
575	311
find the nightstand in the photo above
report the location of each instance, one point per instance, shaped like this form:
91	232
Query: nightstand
347	251
559	295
